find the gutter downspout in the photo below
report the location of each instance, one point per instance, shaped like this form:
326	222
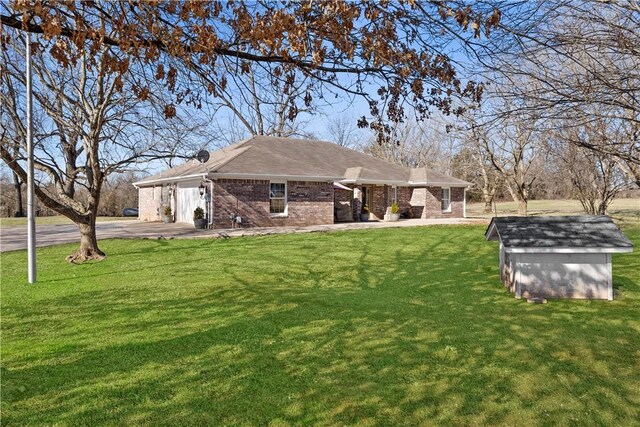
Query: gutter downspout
464	202
210	208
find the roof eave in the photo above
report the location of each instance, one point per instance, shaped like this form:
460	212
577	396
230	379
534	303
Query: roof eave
492	232
438	184
568	250
267	177
169	179
365	181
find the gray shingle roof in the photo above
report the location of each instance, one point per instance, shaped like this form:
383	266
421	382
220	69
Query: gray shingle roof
272	156
557	232
193	167
431	177
300	157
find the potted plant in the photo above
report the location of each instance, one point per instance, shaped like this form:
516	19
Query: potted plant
198	218
364	213
395	212
167	215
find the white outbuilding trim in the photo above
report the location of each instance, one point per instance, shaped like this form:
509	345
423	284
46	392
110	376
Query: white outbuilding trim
536	250
558	257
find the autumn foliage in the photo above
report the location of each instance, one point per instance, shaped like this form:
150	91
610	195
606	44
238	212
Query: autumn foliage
392	53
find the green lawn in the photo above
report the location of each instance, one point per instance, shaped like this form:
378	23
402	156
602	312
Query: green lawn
379	327
622	210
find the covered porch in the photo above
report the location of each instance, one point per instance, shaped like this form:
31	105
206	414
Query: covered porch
349	200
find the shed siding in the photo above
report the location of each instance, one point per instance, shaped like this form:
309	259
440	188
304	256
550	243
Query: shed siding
579	275
508	270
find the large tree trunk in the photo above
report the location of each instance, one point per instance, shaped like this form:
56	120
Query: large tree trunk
518	197
522	207
488	196
488	205
18	186
88	243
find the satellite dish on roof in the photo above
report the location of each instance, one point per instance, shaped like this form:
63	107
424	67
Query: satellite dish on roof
202	156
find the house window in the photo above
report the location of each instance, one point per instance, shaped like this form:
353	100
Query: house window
446	200
165	195
278	198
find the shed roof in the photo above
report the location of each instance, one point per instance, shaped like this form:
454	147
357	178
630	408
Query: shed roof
558	234
301	158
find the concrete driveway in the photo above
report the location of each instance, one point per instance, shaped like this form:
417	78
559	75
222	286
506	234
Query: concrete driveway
15	238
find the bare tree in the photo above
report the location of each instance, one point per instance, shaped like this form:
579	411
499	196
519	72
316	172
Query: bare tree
17	187
395	56
513	149
118	193
182	136
416	143
87	129
581	63
596	177
473	162
263	102
343	131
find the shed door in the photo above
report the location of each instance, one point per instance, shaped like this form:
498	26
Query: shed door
188	198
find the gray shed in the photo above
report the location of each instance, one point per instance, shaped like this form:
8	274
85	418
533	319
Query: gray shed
558	257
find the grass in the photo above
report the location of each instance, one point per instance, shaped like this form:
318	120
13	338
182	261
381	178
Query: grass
621	209
379	327
55	220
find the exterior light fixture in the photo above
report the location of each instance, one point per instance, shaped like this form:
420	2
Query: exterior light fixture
201	189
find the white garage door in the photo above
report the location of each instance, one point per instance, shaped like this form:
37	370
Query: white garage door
188	198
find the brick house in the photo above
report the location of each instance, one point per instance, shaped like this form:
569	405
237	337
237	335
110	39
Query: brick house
268	181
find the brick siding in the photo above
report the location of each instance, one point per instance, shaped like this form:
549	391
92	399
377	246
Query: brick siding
414	202
457	202
433	203
405	195
308	203
426	202
345	198
380	201
149	204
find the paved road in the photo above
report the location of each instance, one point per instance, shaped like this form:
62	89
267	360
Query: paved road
15	238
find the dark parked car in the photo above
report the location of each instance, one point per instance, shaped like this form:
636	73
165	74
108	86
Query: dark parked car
130	212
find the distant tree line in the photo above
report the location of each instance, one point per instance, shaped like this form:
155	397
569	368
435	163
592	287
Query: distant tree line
118	193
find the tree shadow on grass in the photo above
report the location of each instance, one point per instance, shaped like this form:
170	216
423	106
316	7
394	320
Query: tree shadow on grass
407	336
